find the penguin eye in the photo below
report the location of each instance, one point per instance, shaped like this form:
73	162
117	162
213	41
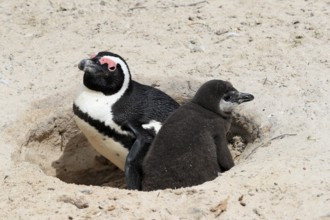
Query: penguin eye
112	68
226	97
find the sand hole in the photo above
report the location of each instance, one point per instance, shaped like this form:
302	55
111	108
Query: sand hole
61	150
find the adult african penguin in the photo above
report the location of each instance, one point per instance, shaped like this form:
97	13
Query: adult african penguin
107	100
191	146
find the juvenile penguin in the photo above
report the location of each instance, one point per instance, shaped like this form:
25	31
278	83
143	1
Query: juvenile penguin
107	100
191	146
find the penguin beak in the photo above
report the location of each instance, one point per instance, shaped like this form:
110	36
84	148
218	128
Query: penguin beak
81	64
89	66
243	97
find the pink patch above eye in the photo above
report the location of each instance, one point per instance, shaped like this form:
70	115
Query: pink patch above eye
111	64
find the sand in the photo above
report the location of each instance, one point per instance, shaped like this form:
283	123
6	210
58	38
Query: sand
276	50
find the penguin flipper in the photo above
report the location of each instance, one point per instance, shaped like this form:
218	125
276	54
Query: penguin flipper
225	160
133	165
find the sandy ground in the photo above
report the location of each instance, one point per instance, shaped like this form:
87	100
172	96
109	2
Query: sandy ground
277	50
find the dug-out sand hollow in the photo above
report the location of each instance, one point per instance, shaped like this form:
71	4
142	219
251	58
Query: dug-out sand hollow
58	147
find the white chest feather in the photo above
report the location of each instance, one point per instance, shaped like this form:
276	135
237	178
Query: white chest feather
155	125
98	106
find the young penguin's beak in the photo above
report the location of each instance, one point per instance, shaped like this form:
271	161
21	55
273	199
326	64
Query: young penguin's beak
241	97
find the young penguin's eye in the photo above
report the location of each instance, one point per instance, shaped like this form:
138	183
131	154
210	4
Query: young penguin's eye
226	97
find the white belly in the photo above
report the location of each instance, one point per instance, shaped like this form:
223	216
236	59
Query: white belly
106	146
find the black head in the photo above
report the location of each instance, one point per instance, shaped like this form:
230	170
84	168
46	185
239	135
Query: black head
105	72
220	97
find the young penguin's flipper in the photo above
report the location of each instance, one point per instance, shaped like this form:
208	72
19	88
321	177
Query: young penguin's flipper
133	165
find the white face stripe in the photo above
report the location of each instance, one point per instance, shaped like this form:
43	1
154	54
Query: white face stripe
99	106
156	125
227	106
